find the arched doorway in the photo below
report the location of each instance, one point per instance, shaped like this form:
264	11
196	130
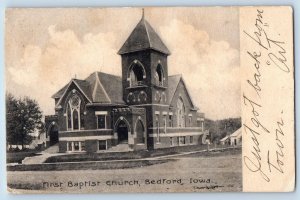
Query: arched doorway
122	130
140	132
53	134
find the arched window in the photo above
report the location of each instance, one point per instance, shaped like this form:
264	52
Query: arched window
159	75
180	113
69	123
75	120
142	96
75	113
139	129
82	119
136	74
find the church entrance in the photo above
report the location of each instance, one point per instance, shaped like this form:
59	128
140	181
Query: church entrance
53	133
140	132
122	131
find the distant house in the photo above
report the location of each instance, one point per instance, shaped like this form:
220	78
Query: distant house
236	137
233	139
145	108
38	141
225	140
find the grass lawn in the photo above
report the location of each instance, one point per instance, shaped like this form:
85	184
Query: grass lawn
223	169
124	155
100	161
17	157
217	152
86	165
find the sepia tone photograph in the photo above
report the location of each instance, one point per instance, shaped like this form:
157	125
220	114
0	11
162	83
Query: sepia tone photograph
123	100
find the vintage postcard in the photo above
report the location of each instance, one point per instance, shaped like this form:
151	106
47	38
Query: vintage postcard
155	99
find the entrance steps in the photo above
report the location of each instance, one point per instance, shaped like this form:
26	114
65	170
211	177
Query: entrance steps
42	156
52	149
120	148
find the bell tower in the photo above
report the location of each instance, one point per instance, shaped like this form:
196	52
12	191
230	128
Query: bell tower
144	66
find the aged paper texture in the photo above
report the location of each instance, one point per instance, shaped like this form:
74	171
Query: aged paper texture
172	99
266	39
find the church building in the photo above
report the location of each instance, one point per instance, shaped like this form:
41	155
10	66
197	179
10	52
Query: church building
143	109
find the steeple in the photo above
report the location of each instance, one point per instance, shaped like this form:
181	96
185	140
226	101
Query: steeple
144	66
143	14
143	37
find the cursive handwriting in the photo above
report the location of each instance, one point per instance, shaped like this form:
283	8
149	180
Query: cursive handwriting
260	36
279	152
255	56
255	114
268	52
278	56
275	50
254	163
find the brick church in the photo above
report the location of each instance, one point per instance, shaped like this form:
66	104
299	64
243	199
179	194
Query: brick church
145	108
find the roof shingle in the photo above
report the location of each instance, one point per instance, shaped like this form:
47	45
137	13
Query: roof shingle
104	88
143	37
172	85
99	88
173	82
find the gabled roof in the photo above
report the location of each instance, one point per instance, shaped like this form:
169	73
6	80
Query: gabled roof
84	87
109	86
104	88
60	92
173	82
224	138
236	133
98	88
143	37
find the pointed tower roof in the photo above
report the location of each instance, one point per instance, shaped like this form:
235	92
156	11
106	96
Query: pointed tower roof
143	37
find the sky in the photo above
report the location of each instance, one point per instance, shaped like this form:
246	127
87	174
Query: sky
45	48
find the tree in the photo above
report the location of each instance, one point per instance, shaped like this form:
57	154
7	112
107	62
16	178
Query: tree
23	117
218	129
11	118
